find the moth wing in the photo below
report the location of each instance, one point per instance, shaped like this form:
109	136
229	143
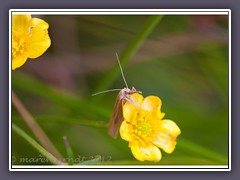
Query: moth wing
117	116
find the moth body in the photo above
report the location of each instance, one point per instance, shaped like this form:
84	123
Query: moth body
117	115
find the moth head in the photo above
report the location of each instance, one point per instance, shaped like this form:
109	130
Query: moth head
135	91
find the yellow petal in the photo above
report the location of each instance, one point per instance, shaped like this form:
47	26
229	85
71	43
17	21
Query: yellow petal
18	61
20	22
36	22
130	110
125	131
38	40
149	153
152	104
166	137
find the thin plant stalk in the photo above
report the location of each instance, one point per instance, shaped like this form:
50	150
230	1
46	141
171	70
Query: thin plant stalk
35	128
37	146
68	150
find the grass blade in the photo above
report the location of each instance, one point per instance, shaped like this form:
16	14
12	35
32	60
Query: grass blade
130	50
37	146
19	80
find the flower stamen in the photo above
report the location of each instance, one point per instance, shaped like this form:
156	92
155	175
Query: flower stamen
18	43
143	128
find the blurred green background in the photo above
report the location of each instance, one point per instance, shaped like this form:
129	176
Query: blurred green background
183	60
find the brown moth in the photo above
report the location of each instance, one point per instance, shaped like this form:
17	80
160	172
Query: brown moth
123	96
117	116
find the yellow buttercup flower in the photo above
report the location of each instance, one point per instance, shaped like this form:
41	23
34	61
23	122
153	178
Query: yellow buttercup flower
145	129
30	38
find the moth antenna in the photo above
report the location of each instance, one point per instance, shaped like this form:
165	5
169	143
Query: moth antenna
121	71
110	90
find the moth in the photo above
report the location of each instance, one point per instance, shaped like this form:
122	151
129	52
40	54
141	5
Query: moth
122	97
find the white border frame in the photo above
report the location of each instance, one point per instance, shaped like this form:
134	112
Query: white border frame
120	12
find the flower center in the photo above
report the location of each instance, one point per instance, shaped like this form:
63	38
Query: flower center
18	43
143	128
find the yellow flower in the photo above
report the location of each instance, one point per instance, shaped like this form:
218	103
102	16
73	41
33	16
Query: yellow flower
145	129
29	38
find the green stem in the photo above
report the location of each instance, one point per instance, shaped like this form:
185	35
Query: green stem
130	50
37	146
68	150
